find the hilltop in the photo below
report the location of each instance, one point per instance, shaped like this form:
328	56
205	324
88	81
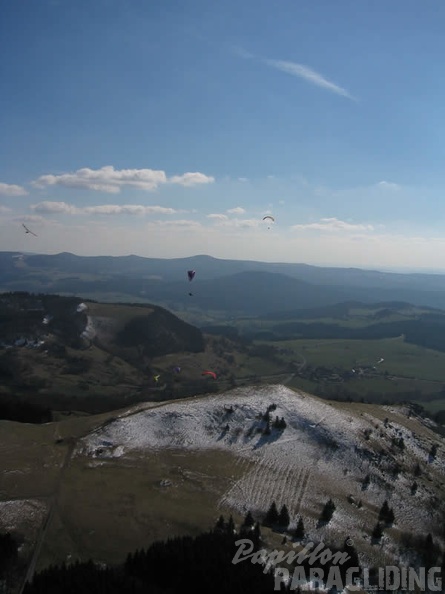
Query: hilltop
66	351
70	354
154	471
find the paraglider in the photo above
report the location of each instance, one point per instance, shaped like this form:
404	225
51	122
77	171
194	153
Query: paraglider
177	369
269	217
212	373
191	276
156	378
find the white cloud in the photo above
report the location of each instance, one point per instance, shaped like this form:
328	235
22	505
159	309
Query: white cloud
4	209
309	75
191	179
31	219
110	180
12	190
236	210
388	185
233	223
106	209
299	70
221	217
132	209
333	225
180	223
54	207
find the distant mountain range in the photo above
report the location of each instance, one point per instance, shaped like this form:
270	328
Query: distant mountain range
227	288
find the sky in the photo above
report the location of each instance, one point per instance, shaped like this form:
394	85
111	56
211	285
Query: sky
169	129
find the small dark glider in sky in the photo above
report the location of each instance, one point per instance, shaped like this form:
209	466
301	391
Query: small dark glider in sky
28	231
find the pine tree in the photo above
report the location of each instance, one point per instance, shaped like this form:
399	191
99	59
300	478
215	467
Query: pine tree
353	561
429	550
377	532
248	520
283	518
271	515
220	524
389	517
383	511
328	511
230	526
299	530
386	514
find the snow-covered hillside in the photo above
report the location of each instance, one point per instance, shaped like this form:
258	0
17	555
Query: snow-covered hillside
325	450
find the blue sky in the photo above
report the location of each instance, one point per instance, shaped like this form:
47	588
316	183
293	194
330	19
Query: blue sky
171	128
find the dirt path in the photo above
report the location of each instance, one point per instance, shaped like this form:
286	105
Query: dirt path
52	501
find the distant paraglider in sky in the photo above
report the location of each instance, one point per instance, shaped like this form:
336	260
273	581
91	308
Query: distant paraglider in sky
191	276
269	218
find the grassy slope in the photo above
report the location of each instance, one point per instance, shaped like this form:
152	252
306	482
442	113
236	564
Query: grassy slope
105	508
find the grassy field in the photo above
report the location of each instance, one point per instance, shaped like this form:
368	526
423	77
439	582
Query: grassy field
400	358
406	368
107	508
432	406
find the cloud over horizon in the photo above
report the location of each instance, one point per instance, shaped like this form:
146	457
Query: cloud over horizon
333	225
110	180
105	209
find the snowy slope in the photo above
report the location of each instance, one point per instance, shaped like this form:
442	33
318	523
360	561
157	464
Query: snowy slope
322	452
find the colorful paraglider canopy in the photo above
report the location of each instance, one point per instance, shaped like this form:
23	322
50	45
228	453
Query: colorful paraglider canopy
177	369
212	373
191	274
156	377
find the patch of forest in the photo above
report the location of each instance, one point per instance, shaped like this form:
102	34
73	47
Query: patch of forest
428	331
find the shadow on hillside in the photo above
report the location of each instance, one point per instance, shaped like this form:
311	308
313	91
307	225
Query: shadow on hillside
267	438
